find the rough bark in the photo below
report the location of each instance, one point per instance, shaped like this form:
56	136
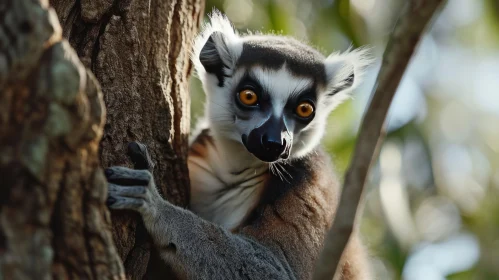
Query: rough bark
401	46
53	219
139	52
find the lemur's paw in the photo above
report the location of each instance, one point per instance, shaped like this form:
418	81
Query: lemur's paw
131	189
140	156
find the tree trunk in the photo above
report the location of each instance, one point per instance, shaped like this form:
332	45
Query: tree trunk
139	52
53	220
52	191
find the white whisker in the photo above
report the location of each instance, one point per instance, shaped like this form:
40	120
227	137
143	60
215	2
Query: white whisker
285	171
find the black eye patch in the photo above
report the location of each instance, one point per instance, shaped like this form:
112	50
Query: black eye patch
309	94
248	81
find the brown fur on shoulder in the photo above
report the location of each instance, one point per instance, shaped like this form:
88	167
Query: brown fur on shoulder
295	214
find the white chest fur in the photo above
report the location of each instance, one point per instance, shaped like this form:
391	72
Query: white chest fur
223	190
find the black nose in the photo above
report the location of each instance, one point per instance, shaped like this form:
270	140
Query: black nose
270	141
275	147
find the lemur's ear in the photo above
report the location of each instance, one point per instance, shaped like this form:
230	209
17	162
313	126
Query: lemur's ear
215	56
217	48
344	71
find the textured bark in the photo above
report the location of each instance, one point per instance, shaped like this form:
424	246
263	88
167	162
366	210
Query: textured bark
53	219
139	52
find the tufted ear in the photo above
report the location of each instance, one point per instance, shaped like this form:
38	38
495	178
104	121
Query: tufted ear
215	56
344	71
217	48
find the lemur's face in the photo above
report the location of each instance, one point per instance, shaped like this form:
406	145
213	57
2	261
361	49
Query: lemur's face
270	93
268	110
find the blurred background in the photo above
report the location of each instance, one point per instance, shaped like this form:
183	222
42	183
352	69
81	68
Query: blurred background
432	201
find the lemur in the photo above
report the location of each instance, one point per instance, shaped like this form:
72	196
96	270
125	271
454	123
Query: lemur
263	192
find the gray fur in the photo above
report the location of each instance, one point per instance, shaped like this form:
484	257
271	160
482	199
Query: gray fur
272	52
196	248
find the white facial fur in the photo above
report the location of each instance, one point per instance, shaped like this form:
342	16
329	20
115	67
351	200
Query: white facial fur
222	112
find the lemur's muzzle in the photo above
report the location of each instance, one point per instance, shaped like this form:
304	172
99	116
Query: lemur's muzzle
270	141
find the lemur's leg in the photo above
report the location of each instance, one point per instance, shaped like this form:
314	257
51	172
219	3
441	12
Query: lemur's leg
194	247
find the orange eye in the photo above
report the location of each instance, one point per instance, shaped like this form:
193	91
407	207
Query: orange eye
304	109
248	97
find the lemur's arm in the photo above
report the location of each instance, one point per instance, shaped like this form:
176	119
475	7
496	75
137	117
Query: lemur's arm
194	247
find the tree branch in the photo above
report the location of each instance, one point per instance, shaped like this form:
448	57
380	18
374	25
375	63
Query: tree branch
401	46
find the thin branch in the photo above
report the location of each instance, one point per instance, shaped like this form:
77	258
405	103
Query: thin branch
403	41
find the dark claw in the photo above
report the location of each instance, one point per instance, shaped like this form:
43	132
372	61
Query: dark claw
140	156
110	201
108	172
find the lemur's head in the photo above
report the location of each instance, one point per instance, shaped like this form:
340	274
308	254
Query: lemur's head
271	93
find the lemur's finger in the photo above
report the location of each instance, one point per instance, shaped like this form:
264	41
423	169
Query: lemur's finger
140	156
127	177
125	203
127	191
